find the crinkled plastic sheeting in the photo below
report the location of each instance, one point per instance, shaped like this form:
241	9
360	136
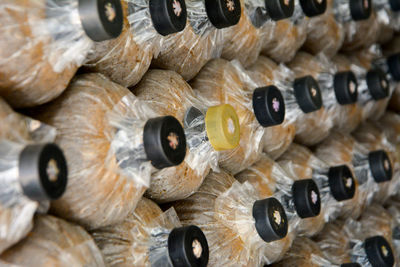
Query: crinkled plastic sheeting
219	82
188	51
391	48
269	178
287	36
16	209
373	138
43	44
100	127
127	58
305	252
54	242
324	33
244	40
276	139
222	208
141	239
168	94
316	126
342	149
385	18
353	118
363	61
300	162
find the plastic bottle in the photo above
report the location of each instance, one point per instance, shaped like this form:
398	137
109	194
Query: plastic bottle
146	26
202	39
210	128
113	143
45	42
242	229
54	242
152	237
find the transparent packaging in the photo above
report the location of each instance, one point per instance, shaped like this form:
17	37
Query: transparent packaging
17	209
54	242
287	36
371	136
141	239
300	162
269	178
389	124
389	49
324	33
188	51
385	18
305	252
168	94
362	62
342	149
320	122
219	82
43	44
277	139
353	118
222	208
100	126
244	40
394	210
127	58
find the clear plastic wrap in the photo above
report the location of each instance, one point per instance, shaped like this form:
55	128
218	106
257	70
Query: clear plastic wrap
278	138
54	242
45	42
225	210
342	149
18	200
389	124
371	136
385	18
244	40
219	82
287	36
127	58
319	123
103	129
268	177
305	252
394	211
187	52
324	33
336	183
144	238
168	94
375	82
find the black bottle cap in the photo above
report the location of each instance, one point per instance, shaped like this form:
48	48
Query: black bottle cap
279	9
378	86
360	9
187	246
393	63
223	13
352	264
394	5
306	197
168	16
308	94
312	8
379	252
43	171
380	166
271	220
164	142
101	19
341	183
268	106
345	85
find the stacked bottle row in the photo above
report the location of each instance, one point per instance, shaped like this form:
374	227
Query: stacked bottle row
122	39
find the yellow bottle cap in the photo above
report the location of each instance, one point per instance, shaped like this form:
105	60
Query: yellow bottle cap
222	126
